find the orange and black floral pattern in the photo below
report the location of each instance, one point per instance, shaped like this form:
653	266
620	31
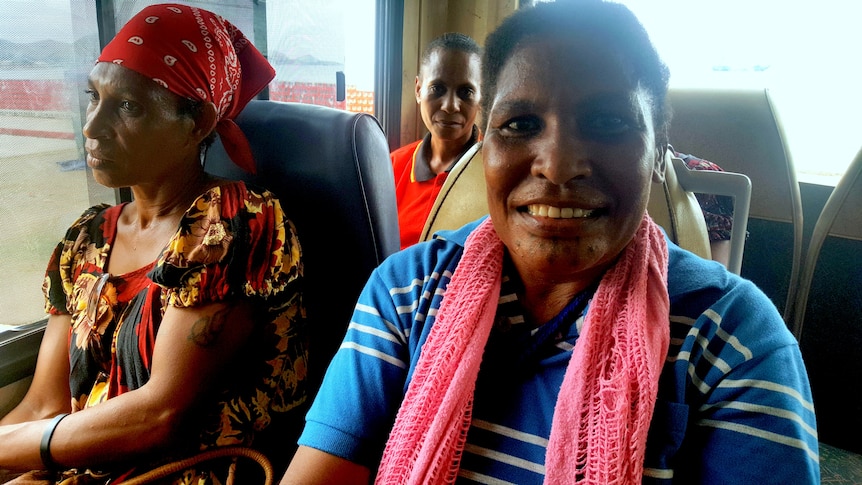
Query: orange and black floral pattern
232	243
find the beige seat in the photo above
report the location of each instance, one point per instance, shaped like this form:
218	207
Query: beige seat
672	204
827	320
679	188
741	132
837	219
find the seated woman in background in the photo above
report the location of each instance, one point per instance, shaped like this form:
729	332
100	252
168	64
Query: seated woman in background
717	211
447	90
563	339
175	320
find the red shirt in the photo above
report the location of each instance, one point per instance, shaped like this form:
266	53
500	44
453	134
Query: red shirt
415	197
416	186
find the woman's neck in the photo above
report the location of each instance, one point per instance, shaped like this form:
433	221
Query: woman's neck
147	224
170	199
444	153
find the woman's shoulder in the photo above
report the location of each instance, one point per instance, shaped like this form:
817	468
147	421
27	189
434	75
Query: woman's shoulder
97	220
698	287
238	195
97	211
400	157
230	225
443	250
237	203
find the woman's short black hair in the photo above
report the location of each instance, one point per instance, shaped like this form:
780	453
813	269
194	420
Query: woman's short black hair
603	22
450	41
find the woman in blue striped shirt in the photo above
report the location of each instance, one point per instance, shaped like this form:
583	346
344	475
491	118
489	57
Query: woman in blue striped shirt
563	339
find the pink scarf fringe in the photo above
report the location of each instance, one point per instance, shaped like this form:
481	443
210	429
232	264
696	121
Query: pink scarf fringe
605	405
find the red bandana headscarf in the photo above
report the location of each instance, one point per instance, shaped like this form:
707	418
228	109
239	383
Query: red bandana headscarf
196	54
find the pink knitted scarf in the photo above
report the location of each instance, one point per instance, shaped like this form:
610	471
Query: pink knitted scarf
605	404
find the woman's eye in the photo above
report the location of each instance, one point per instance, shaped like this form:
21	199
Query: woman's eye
128	106
91	94
466	93
605	125
522	126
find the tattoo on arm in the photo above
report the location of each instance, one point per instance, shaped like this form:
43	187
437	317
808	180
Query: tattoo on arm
205	330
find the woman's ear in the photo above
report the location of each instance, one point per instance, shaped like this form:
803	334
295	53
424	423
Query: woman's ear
659	164
206	121
418	90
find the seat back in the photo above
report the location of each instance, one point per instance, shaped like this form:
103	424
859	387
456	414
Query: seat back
462	198
674	207
678	212
330	168
740	131
687	182
827	318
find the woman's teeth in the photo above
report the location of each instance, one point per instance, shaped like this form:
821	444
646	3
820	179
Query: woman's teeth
542	210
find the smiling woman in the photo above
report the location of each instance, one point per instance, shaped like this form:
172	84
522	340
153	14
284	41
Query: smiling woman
563	339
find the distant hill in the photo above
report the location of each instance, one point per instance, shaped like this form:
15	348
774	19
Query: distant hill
277	58
52	53
43	52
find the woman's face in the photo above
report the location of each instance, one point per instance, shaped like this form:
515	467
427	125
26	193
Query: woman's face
569	156
447	90
135	134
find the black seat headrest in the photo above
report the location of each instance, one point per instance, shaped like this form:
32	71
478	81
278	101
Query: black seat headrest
330	168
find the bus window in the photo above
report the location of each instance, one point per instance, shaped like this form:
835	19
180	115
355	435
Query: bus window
804	54
312	41
48	48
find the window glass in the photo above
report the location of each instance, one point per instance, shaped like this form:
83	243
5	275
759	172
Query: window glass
238	12
312	41
805	54
46	50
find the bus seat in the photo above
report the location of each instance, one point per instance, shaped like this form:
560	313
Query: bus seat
741	131
827	318
462	199
330	168
687	183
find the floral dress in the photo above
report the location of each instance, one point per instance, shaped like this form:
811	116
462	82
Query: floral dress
232	243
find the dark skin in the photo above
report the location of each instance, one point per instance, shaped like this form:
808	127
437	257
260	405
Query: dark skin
135	138
447	90
568	167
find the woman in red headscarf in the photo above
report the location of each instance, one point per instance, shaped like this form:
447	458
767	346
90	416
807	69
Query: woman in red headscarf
175	320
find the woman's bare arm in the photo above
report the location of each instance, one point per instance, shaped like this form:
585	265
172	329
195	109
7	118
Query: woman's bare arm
48	394
192	348
314	467
720	251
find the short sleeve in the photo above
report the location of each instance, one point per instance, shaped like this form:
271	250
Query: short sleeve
232	242
84	243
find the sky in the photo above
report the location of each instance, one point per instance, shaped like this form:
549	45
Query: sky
54	20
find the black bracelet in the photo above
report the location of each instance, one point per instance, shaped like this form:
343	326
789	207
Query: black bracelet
45	445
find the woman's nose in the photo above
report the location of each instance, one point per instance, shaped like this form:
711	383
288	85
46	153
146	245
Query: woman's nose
95	124
561	156
450	103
